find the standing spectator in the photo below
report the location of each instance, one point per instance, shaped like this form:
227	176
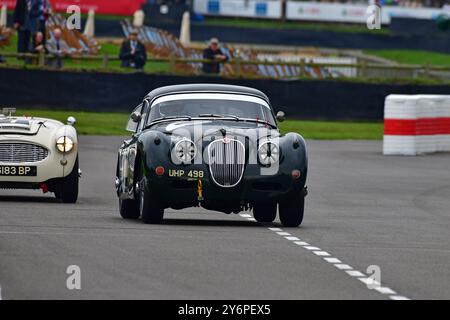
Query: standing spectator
45	12
58	48
28	16
214	53
132	52
20	21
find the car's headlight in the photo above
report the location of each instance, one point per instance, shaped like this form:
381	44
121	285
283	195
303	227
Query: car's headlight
268	153
185	150
64	144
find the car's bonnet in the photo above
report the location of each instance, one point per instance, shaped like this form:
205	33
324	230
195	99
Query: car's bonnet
26	126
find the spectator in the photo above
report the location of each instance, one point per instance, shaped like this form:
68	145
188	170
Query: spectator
132	52
213	52
38	44
28	16
58	48
44	14
37	47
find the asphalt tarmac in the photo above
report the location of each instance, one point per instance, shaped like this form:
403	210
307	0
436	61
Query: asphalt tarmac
365	212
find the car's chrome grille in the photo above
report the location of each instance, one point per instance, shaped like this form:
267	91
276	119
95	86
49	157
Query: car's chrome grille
22	152
226	161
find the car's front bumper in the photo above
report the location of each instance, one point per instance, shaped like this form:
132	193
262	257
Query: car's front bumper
184	191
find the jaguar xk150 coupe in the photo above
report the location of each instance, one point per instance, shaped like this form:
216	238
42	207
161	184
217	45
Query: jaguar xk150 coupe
214	146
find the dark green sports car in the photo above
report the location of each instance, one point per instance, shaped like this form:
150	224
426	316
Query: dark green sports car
214	146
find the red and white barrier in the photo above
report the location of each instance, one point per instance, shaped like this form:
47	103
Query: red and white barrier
416	124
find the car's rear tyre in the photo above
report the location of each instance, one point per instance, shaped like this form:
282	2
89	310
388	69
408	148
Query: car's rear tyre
291	212
152	212
265	212
68	187
129	209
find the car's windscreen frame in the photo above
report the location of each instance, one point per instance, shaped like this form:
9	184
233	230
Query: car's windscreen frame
218	97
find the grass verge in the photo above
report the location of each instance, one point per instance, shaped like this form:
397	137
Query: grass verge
88	123
275	24
413	57
107	123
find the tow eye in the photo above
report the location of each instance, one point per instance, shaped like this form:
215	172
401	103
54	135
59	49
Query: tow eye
199	190
305	191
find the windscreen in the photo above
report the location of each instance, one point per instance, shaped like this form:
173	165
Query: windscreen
214	106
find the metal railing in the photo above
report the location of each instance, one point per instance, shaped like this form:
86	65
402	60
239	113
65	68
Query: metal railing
365	70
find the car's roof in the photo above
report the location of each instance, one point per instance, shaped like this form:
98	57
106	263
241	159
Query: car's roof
206	88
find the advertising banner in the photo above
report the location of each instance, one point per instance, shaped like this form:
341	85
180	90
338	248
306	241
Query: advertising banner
114	7
313	11
309	10
239	8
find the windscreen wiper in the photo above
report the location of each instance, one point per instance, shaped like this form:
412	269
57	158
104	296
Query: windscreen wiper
260	121
212	115
162	119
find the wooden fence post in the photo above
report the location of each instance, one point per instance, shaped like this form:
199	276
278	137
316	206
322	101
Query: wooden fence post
172	60
237	67
363	72
302	67
41	58
105	61
426	70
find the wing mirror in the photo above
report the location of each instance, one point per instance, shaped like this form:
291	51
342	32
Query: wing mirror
71	121
136	116
281	116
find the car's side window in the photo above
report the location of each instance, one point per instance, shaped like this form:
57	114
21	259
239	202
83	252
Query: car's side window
143	115
132	125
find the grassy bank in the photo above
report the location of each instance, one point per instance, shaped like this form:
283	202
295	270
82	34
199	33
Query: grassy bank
102	123
88	123
276	24
418	57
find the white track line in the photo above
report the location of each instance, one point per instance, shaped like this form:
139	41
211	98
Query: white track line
338	264
311	248
332	260
301	243
399	298
355	273
321	253
342	266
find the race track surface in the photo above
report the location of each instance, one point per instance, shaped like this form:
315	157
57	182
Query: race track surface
364	209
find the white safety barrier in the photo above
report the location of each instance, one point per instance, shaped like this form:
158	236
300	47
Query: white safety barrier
416	124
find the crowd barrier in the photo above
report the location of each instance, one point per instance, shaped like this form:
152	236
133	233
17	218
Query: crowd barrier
416	124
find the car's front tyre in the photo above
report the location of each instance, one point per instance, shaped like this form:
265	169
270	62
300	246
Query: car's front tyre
265	212
291	211
67	190
152	212
129	209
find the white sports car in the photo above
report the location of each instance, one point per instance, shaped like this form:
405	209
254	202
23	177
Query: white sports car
39	153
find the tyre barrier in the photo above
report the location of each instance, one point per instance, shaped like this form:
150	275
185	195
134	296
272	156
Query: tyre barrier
416	124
